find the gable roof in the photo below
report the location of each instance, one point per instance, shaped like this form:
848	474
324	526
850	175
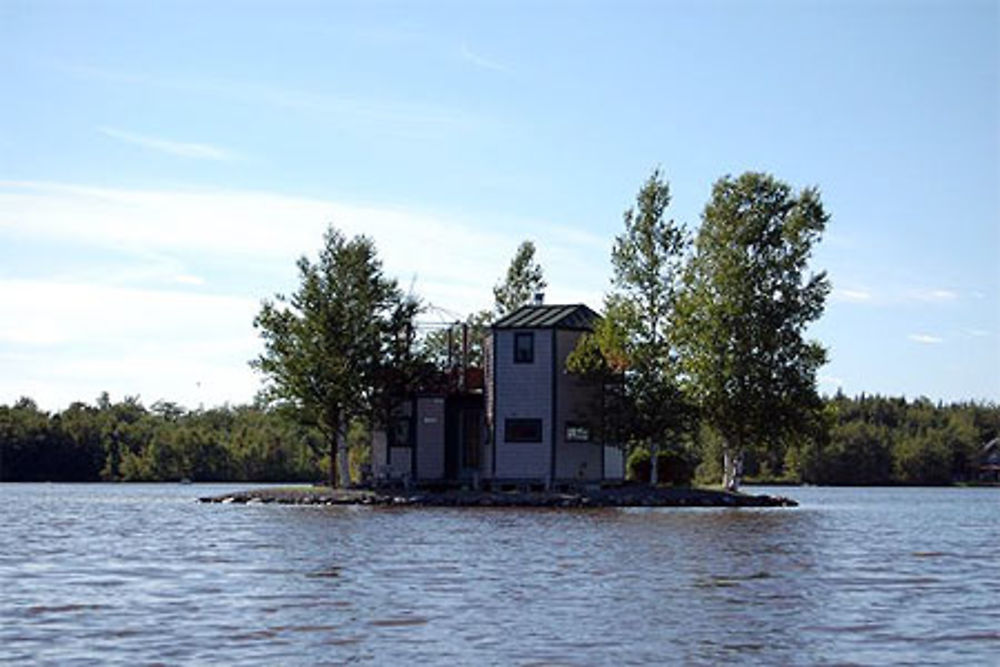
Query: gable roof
572	316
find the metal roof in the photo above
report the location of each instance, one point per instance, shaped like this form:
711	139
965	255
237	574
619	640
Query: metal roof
572	316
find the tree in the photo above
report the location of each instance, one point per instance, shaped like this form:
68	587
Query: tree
599	361
523	280
328	344
443	347
747	301
634	335
647	261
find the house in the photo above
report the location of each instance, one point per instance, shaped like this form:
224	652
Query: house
435	435
526	421
539	415
989	461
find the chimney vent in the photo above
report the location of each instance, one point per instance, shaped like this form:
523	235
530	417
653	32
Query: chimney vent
539	298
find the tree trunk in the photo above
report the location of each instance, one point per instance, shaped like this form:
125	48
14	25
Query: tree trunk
333	438
732	468
654	468
344	463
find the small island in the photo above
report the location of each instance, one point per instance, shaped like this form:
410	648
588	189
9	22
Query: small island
627	495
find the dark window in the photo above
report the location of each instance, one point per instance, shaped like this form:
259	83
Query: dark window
524	348
400	432
577	432
522	430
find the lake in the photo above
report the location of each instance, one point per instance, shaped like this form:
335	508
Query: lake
143	573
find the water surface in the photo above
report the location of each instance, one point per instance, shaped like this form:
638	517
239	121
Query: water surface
132	574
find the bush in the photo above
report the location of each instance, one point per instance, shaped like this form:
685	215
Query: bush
672	467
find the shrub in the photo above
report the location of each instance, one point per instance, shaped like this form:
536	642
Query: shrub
672	467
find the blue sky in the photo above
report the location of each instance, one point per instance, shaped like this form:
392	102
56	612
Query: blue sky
163	164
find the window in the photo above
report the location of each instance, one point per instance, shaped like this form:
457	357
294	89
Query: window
522	430
524	348
577	432
400	432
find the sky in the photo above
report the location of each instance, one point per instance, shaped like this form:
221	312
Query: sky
163	165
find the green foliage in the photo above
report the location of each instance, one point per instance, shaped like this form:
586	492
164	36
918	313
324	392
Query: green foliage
673	467
524	278
857	441
125	442
338	346
743	313
443	347
632	342
709	445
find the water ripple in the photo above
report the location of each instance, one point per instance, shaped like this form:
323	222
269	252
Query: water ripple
142	574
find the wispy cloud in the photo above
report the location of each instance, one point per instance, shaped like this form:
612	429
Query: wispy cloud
92	337
84	321
936	295
852	295
925	339
198	151
976	333
271	230
404	117
481	61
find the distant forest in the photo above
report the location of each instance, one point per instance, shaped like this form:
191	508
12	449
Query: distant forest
868	440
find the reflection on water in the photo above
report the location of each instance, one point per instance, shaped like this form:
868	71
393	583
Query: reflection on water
128	574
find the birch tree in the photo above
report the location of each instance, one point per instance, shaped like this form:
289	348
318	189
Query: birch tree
647	261
633	340
748	300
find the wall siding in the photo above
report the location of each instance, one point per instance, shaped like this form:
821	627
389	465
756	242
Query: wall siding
401	464
380	452
614	463
523	391
429	429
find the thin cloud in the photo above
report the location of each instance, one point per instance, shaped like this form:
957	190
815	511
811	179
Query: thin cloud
458	273
179	148
401	117
79	322
77	339
852	295
45	312
925	339
938	295
482	62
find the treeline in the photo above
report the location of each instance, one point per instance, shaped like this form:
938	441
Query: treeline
874	440
126	441
868	440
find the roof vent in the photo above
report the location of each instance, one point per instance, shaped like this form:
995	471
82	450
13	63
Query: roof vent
539	298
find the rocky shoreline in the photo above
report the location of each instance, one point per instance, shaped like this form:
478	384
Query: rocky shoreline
623	496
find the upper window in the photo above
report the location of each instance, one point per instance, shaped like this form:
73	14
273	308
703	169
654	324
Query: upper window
524	348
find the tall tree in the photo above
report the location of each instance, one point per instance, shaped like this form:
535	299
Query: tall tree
632	343
327	345
748	299
647	260
523	280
